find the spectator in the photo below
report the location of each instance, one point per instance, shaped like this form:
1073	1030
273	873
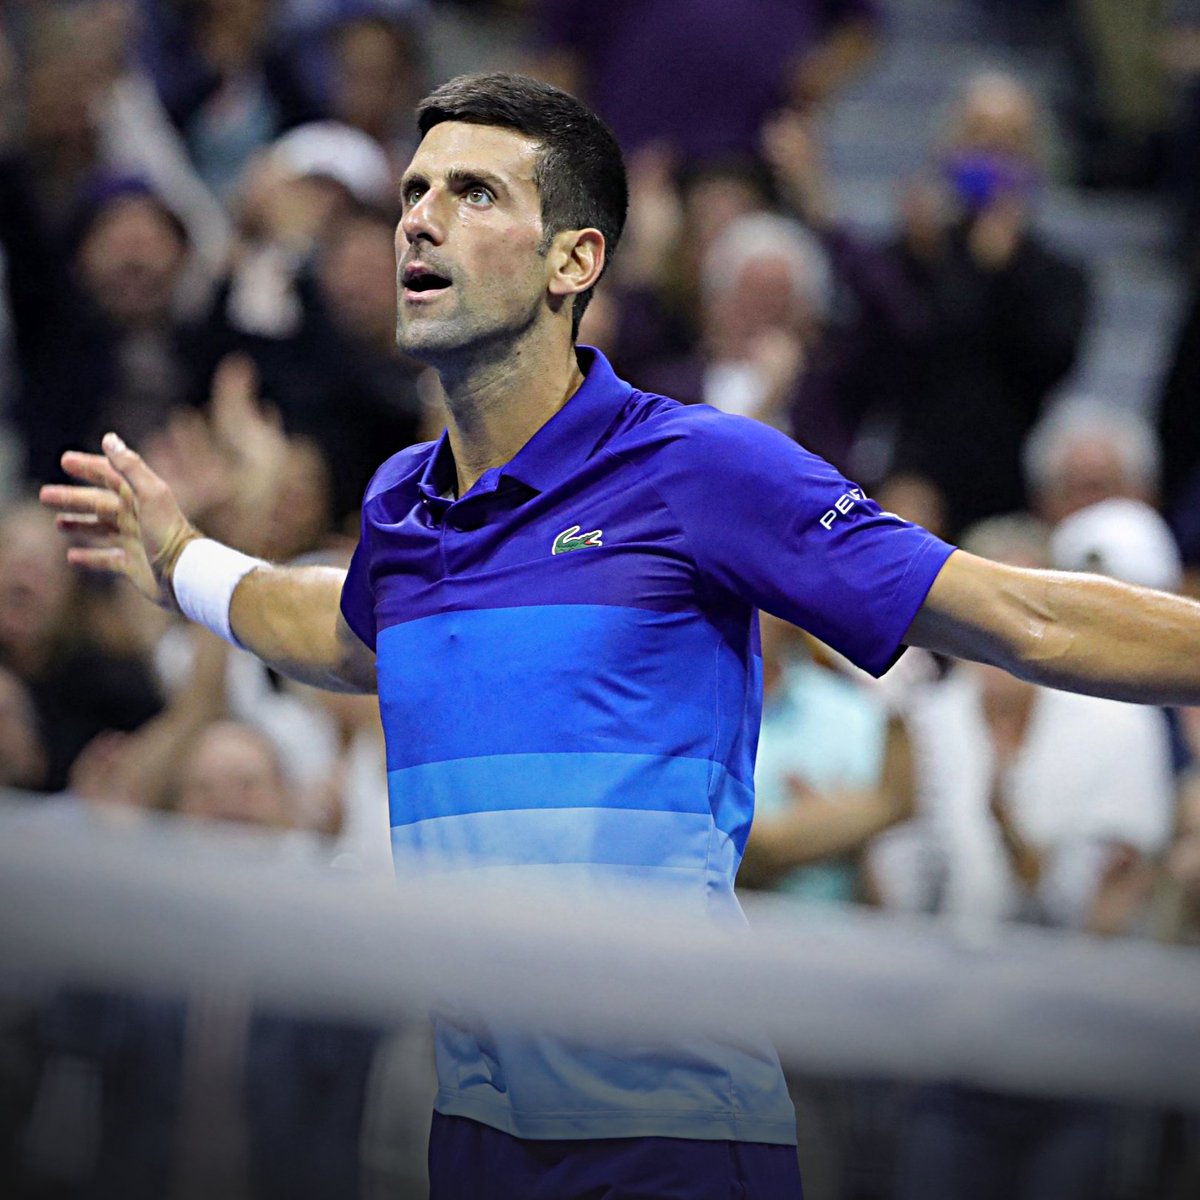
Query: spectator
1039	800
90	109
1125	539
1084	451
319	325
228	83
287	199
232	772
651	304
874	327
211	1098
44	640
98	341
819	798
656	69
1005	311
379	72
767	287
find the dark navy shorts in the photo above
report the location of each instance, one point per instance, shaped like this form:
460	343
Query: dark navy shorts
470	1161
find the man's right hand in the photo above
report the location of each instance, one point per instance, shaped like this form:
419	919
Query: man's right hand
126	521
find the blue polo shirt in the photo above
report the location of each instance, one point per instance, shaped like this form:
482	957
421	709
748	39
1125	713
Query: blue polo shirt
570	691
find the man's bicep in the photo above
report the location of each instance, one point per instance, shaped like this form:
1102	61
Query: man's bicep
357	667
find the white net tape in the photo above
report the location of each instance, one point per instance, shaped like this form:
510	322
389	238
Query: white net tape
839	992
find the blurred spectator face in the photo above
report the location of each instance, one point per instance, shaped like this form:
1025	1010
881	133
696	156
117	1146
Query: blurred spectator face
993	150
130	261
357	275
36	584
307	179
22	761
376	76
763	296
1090	470
764	275
998	114
232	773
1084	451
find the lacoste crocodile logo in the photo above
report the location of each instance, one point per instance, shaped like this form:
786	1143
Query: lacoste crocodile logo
572	539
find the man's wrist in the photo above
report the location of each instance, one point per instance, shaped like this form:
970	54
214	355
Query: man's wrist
203	579
164	563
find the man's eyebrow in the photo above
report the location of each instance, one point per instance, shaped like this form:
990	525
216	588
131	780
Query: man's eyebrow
410	179
465	176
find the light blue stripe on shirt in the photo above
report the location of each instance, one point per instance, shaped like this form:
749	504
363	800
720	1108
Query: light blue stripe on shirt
667	840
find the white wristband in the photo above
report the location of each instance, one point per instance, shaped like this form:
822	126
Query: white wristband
205	576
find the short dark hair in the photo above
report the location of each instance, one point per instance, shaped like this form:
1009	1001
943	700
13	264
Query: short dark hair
580	173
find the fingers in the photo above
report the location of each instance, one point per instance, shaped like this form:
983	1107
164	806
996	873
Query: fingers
129	465
96	502
86	526
93	468
98	558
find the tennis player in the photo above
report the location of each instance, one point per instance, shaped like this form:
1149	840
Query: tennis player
557	603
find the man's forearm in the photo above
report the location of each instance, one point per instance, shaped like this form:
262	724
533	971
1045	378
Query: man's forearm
1080	632
1109	639
290	618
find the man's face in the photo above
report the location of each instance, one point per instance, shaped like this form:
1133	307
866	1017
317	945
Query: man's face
470	268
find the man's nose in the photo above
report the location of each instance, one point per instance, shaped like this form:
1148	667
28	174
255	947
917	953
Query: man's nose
425	219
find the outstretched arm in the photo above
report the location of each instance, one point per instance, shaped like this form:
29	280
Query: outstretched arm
1079	632
126	520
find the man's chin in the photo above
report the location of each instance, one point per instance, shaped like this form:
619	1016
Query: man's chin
429	341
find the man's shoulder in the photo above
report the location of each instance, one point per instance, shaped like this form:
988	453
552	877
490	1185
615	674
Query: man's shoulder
669	438
655	424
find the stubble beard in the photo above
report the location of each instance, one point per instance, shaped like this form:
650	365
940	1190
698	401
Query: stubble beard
454	342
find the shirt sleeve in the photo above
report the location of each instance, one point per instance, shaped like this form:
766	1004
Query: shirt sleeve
781	529
358	596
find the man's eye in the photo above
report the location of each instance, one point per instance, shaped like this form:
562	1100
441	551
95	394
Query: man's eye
412	195
479	196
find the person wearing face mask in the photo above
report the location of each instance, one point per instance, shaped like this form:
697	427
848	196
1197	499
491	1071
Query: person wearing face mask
1004	311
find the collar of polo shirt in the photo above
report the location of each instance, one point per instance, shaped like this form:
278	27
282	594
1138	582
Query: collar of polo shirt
555	451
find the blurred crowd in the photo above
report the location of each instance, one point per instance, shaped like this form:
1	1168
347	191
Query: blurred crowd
197	206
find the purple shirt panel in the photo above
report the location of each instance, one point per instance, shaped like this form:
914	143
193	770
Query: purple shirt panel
772	524
702	74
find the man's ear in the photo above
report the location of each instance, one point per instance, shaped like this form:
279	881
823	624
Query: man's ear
576	260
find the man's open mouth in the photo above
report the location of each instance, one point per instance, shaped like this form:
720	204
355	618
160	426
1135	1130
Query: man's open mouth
420	280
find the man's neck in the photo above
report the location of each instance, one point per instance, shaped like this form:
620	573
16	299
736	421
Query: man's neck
497	405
